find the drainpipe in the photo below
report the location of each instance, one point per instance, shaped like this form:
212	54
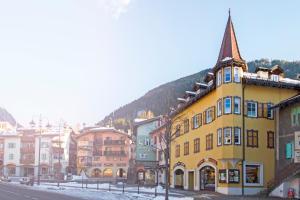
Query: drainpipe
244	132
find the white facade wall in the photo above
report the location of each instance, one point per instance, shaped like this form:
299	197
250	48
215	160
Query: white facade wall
15	151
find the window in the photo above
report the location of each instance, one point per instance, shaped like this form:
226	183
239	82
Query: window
186	125
44	156
186	148
209	142
236	75
269	111
251	109
219	77
197	145
177	151
196	120
11	145
227	74
270	138
237	105
275	77
227	105
252	138
254	174
177	130
143	155
147	142
11	156
209	115
219	107
237	135
44	145
227	136
219	137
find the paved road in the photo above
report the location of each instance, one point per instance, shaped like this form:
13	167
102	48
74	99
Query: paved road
14	192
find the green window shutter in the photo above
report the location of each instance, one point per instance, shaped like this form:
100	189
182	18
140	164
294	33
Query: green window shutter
289	150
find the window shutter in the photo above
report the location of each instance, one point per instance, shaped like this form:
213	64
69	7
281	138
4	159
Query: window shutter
265	110
260	109
245	108
200	119
204	117
213	113
192	122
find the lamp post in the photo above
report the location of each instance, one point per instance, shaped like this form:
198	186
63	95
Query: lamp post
32	123
59	149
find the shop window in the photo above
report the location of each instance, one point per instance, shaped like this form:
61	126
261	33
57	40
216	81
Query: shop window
237	105
219	137
270	138
219	107
186	148
252	138
227	74
227	105
233	176
251	109
253	174
222	176
227	136
209	142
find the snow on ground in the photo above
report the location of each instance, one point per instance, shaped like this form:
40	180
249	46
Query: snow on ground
94	194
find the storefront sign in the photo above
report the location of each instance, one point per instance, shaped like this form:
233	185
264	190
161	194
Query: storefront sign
297	140
297	156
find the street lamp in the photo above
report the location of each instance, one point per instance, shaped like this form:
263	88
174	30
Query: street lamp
61	122
32	123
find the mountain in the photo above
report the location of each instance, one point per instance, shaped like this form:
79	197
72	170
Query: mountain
160	99
6	116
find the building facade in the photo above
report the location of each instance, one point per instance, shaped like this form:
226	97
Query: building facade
287	118
144	163
103	152
224	130
159	143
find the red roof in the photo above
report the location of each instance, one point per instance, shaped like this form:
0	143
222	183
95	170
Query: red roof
229	46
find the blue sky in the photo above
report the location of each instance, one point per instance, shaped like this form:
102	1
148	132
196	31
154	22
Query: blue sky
79	60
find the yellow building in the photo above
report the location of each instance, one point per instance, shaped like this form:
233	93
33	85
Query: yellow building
224	134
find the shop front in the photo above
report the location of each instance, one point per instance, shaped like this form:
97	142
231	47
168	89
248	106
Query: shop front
207	178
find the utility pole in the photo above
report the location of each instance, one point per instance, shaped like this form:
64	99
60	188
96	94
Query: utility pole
39	161
59	148
167	157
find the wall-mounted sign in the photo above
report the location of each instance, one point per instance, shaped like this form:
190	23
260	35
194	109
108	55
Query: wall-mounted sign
297	140
297	156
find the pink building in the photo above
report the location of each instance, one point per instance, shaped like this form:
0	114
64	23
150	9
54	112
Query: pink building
103	152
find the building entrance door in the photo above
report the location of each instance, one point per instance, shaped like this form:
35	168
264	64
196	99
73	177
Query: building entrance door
191	180
207	178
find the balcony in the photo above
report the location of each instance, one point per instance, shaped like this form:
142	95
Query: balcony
114	142
115	153
98	142
27	161
27	149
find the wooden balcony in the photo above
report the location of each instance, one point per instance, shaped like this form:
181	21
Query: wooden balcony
26	161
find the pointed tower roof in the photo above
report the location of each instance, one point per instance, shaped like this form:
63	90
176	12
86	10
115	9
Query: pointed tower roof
229	48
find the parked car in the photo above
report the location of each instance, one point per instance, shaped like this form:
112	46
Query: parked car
27	181
5	179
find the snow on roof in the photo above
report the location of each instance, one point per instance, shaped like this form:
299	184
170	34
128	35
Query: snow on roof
226	59
139	119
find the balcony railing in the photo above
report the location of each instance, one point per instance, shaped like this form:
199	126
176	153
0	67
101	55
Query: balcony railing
115	153
114	142
27	149
98	142
27	161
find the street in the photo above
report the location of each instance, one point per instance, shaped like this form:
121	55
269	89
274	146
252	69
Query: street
15	192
